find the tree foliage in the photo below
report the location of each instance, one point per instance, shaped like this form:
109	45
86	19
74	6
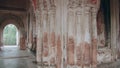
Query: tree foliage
9	35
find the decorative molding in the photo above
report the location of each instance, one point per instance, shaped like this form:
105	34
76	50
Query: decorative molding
45	5
74	4
52	5
87	9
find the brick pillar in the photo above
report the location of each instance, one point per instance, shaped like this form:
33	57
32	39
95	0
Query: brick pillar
22	43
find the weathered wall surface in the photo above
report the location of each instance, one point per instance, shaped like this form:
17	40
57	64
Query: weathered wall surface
32	27
115	28
67	33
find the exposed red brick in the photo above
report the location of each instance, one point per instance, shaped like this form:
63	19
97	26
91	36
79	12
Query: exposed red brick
94	51
87	54
53	39
83	54
59	52
79	55
45	38
94	41
45	45
70	50
22	43
52	47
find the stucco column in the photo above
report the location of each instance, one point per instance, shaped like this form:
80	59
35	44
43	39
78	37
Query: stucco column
94	36
73	36
38	31
114	5
46	32
22	43
82	33
22	39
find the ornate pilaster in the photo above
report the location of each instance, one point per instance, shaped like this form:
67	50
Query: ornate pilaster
94	36
46	32
94	10
82	40
80	33
52	31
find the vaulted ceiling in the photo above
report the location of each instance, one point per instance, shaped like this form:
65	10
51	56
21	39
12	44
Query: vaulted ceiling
20	5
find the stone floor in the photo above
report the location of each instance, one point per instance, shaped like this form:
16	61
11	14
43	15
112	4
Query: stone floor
115	64
12	57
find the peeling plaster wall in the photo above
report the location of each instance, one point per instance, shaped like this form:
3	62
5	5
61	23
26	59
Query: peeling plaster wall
67	33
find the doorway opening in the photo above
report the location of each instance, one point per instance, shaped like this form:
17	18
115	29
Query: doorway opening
10	35
104	33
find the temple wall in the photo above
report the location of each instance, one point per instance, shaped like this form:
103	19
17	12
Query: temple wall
67	33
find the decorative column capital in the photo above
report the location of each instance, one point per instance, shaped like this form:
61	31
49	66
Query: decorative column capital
94	10
87	9
38	5
73	4
52	5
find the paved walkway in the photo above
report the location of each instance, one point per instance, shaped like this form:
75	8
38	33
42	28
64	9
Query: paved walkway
12	57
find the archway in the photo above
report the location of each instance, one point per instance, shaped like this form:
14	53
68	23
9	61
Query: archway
10	35
18	22
104	33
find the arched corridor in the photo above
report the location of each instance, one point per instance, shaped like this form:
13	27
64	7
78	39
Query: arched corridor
16	20
10	35
64	33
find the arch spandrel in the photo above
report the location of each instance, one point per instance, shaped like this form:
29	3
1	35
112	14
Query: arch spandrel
10	16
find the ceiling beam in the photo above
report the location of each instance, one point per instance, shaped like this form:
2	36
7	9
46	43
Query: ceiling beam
12	8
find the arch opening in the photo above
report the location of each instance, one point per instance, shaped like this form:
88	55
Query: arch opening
104	33
10	35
